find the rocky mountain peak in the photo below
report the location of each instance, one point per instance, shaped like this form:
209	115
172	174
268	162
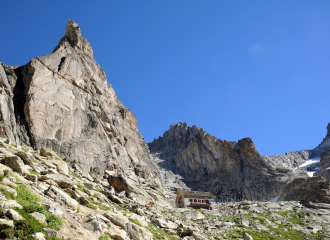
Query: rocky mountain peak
233	171
63	102
74	38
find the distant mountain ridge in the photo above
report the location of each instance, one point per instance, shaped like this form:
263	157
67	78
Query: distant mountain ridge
297	158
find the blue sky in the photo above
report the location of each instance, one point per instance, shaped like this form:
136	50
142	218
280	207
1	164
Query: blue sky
258	69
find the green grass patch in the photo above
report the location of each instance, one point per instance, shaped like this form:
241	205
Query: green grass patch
53	221
200	210
81	187
25	148
34	160
31	203
34	172
23	229
2	177
92	206
8	195
74	174
262	235
283	231
105	208
25	197
229	219
159	233
135	221
106	237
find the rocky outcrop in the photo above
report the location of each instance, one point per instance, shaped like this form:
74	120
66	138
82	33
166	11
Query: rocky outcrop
233	171
325	160
63	102
324	169
314	189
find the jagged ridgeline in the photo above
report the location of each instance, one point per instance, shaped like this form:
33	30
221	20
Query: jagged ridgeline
62	101
233	171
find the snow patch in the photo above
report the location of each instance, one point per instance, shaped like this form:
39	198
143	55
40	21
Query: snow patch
274	199
309	162
311	174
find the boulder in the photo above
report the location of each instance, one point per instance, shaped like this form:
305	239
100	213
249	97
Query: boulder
4	170
39	216
146	234
61	166
50	182
7	204
61	197
165	224
52	233
25	157
12	214
94	226
7	182
141	219
31	177
39	236
54	210
89	185
194	214
133	231
61	180
16	164
104	219
117	219
84	201
9	189
115	199
119	181
4	224
117	233
247	237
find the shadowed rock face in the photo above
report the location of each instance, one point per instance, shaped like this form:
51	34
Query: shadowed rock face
68	106
234	171
314	189
324	169
13	125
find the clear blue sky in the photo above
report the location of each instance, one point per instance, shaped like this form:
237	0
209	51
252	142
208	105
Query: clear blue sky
258	69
